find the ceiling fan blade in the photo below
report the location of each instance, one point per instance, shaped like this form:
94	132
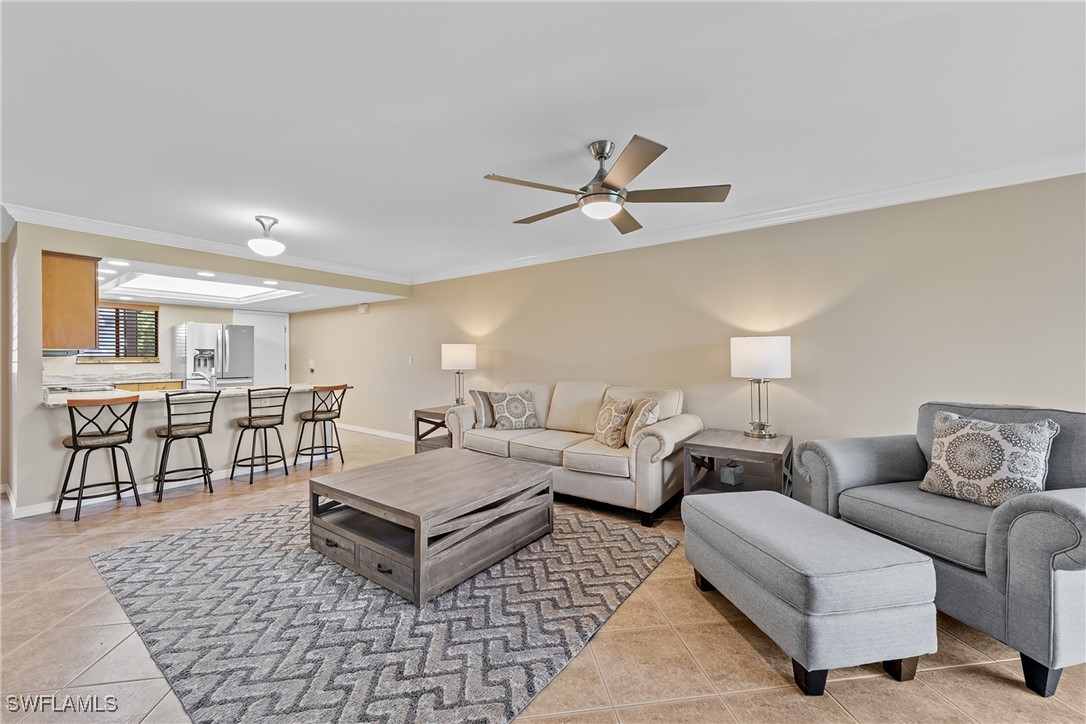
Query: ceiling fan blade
529	184
625	222
634	159
546	214
690	194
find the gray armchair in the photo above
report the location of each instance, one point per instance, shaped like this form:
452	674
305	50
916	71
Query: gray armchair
1016	572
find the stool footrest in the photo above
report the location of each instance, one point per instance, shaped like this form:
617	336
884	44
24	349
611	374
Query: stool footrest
126	486
197	472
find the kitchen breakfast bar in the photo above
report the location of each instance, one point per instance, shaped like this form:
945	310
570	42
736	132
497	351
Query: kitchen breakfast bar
53	426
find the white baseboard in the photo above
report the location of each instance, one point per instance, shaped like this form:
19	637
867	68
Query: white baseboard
378	433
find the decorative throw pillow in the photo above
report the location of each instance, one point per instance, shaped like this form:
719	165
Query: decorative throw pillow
642	414
484	411
988	462
513	410
611	421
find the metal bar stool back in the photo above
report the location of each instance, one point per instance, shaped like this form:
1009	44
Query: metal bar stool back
190	414
99	424
266	409
327	404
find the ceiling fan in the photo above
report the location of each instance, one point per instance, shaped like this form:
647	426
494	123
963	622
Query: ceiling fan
605	195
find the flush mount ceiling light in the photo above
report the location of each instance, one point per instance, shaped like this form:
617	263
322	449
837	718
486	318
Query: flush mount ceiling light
265	245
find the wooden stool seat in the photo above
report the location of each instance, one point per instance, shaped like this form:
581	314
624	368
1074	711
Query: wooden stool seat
99	424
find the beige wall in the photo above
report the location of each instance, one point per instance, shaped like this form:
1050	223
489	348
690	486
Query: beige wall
978	297
168	316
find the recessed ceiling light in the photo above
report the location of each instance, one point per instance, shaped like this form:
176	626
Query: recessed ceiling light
125	299
270	282
107	271
117	262
205	274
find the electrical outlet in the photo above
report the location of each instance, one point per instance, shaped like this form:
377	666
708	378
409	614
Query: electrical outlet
411	416
410	360
118	367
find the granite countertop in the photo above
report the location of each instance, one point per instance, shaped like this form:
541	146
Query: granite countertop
103	378
60	399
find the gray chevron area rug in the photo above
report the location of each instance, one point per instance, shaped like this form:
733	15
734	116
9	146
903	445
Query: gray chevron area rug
249	624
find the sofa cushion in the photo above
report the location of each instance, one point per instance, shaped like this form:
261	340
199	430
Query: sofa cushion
541	397
514	410
574	406
491	441
644	412
594	457
1066	462
670	399
544	446
987	462
484	409
954	530
611	422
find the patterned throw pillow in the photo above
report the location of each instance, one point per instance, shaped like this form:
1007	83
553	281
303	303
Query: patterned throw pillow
642	414
988	462
611	421
513	410
484	411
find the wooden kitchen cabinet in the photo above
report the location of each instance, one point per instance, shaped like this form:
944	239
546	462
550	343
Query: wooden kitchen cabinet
69	301
149	386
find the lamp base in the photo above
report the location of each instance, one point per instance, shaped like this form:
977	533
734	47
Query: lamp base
761	435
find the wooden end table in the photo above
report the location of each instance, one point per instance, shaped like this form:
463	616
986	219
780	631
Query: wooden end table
435	436
419	525
707	447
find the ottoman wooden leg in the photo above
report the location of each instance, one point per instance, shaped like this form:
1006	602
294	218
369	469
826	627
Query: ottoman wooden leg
902	669
701	583
811	683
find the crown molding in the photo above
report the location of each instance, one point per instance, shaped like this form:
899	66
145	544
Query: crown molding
1048	168
28	215
7	224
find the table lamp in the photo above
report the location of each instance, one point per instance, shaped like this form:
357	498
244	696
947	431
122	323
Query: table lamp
458	357
761	359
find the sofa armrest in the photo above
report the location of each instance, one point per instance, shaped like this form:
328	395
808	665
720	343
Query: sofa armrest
458	419
834	466
666	436
1045	529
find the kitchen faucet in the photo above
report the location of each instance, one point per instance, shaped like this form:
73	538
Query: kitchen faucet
212	382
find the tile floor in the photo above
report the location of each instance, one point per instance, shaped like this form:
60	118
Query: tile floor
669	654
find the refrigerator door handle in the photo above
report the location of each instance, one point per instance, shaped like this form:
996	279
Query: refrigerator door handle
226	349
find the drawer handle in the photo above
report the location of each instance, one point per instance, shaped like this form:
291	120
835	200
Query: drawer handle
331	543
382	568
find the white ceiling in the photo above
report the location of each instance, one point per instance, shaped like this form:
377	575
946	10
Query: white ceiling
367	128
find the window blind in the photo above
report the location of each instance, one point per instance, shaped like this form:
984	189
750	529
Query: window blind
126	331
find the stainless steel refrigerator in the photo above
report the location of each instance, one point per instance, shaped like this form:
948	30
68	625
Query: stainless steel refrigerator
220	352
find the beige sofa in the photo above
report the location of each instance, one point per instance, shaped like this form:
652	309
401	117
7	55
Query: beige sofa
643	474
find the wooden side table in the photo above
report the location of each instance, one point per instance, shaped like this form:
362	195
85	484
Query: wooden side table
436	435
707	447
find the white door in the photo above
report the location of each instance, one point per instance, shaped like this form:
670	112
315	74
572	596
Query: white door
271	346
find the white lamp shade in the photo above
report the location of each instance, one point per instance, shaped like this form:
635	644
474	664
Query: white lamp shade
458	356
762	358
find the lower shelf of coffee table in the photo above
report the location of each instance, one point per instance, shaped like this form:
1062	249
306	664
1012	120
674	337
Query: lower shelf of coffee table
385	552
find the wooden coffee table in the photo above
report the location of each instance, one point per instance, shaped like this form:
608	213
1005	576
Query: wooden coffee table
419	525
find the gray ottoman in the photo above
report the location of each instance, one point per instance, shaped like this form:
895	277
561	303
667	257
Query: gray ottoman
829	594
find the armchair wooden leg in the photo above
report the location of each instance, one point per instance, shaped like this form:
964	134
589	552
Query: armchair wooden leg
647	519
1039	678
902	669
811	683
701	583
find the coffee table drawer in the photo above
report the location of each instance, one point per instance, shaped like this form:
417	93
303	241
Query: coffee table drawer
332	545
384	570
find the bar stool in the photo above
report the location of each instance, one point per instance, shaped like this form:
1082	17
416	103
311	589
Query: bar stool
189	414
267	415
103	424
327	403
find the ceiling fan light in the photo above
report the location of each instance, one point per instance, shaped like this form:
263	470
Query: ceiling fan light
601	205
266	246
